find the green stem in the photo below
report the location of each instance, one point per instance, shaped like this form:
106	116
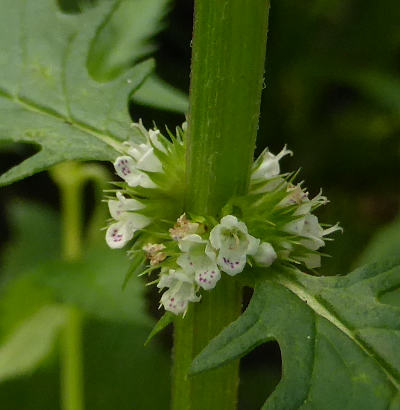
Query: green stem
226	84
71	362
69	179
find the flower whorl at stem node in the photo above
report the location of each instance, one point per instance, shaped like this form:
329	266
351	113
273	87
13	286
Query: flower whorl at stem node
273	224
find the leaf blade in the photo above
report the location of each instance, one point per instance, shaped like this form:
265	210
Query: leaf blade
346	354
47	96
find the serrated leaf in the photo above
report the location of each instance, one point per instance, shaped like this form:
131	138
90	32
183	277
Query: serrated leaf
31	342
340	342
47	97
126	38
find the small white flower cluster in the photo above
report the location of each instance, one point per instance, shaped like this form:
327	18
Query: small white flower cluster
134	168
202	260
191	255
266	177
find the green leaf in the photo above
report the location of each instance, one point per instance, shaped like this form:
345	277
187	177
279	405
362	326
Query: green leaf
158	94
383	245
124	40
136	267
126	37
24	249
31	342
48	98
94	284
340	342
165	320
21	298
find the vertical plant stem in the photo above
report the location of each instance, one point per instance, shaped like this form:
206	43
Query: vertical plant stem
69	179
226	82
72	395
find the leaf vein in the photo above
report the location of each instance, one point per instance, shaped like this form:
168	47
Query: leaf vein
318	307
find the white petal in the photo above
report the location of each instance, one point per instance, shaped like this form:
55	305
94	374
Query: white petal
119	207
313	243
295	227
140	179
176	298
210	252
215	237
229	221
186	263
181	276
312	226
269	167
155	140
138	150
208	276
189	241
332	229
135	221
149	162
144	181
173	303
231	263
312	230
125	168
265	255
166	281
254	244
304	208
119	234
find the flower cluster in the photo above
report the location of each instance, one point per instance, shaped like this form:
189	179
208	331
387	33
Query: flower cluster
273	224
202	258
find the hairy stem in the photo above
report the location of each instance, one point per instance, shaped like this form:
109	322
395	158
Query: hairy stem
226	82
69	179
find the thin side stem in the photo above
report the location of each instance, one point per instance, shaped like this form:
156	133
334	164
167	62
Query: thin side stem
69	179
72	394
226	83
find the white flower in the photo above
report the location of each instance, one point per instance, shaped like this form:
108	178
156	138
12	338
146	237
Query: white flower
233	243
199	259
126	168
119	233
181	291
269	167
313	237
265	255
141	158
297	196
300	197
154	138
314	233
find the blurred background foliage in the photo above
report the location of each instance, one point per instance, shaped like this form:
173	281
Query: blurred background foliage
332	93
